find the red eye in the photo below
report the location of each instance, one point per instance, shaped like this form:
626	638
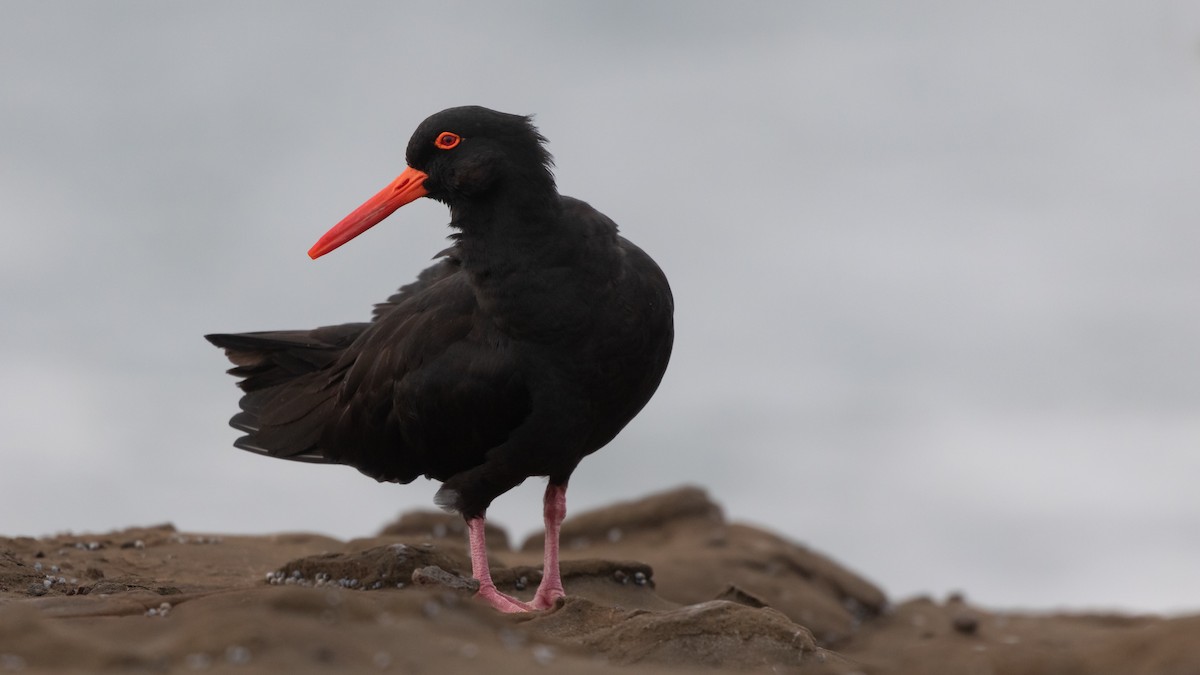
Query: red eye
447	140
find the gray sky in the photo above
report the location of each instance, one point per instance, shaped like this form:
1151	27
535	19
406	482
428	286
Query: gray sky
935	265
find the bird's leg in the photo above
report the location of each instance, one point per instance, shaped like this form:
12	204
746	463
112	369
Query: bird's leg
481	571
554	509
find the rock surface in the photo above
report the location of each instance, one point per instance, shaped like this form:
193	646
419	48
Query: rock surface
660	585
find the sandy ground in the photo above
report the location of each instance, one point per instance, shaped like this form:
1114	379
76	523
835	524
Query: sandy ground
661	585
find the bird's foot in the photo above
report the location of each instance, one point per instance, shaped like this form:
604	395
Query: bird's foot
546	597
503	603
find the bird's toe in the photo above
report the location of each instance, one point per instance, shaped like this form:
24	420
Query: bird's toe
503	603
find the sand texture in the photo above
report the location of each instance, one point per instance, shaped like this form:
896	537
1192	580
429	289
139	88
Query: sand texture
661	585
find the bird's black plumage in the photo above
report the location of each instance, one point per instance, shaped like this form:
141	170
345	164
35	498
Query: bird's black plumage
531	343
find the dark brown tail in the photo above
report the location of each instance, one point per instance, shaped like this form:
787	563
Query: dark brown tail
290	389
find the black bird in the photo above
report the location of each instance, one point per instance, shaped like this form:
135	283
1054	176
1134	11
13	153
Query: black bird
535	338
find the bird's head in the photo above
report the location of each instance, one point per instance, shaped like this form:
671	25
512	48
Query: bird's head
456	156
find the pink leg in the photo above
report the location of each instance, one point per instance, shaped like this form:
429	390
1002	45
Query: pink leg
480	570
554	509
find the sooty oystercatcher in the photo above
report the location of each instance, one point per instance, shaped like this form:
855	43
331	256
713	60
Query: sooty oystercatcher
530	344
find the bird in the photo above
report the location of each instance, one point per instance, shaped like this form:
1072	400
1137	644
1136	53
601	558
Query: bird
529	344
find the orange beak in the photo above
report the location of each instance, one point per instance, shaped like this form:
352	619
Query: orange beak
407	187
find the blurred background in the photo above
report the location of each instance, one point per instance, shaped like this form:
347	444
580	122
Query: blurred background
935	264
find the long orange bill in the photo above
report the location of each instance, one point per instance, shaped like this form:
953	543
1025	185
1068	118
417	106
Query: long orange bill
407	187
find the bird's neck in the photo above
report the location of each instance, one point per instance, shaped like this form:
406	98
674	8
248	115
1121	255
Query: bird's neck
508	233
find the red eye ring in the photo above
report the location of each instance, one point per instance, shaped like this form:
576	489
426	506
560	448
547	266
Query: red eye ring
447	140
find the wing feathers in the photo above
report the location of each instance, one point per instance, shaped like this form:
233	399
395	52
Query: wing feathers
388	397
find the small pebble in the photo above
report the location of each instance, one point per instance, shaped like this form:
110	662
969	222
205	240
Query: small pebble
184	539
434	576
966	624
621	577
543	654
521	583
639	578
237	655
511	639
198	661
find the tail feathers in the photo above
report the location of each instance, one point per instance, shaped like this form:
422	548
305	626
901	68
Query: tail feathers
277	431
290	393
270	358
247	443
